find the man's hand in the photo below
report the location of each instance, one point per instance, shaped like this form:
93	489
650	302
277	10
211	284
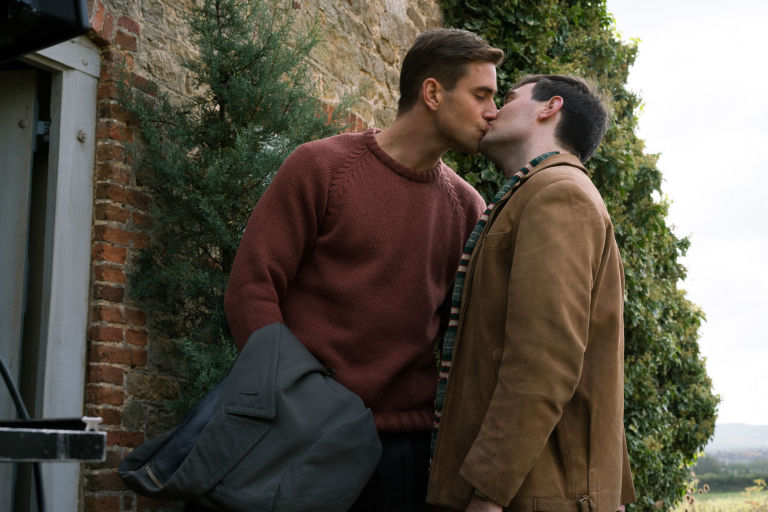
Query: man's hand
479	505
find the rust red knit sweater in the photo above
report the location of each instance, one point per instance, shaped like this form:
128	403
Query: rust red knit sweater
356	253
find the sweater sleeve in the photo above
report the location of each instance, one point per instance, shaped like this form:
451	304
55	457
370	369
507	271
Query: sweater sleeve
471	205
279	235
474	211
558	250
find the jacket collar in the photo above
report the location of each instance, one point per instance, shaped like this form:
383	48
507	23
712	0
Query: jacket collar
555	160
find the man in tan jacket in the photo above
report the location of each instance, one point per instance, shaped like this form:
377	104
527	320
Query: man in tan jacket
530	418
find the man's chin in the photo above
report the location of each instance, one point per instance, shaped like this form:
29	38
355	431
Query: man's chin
489	150
484	146
467	150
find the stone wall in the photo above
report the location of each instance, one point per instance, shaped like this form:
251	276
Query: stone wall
131	370
364	43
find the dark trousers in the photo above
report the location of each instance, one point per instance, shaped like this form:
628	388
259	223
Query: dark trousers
399	483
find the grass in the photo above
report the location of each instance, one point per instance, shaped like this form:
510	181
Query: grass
726	502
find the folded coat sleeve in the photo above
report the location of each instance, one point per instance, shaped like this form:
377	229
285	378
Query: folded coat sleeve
557	253
280	234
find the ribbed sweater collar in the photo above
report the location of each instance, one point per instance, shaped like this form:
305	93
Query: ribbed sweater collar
384	158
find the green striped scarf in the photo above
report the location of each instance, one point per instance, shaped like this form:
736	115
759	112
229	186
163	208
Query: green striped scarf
458	287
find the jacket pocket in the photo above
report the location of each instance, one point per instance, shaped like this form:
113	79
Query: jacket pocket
249	389
500	240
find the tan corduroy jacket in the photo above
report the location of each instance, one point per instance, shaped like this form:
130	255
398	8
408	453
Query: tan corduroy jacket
533	414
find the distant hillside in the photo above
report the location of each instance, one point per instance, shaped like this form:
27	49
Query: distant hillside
736	457
738	437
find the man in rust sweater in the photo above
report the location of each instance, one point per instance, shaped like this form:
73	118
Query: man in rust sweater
355	245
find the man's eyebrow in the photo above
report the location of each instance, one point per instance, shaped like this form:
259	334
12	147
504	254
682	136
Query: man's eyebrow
484	88
509	95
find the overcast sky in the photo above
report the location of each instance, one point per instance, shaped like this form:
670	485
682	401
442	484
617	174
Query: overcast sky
702	71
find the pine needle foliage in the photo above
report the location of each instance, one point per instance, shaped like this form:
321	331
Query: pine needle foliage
670	408
208	158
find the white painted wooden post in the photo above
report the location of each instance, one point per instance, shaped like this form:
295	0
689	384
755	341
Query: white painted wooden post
75	70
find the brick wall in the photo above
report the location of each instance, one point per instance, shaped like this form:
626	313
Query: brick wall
118	334
131	369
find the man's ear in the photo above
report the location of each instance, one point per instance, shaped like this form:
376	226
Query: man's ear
431	92
552	107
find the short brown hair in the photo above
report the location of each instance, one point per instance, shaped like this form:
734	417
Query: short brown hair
585	115
441	54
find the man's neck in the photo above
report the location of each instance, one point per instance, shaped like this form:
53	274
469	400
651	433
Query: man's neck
518	159
412	142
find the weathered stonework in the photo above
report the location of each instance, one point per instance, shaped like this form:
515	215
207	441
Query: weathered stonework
132	368
363	44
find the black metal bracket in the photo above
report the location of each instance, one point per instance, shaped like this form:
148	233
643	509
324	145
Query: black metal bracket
55	440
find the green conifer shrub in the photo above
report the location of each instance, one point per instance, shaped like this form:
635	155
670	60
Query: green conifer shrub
670	409
206	161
